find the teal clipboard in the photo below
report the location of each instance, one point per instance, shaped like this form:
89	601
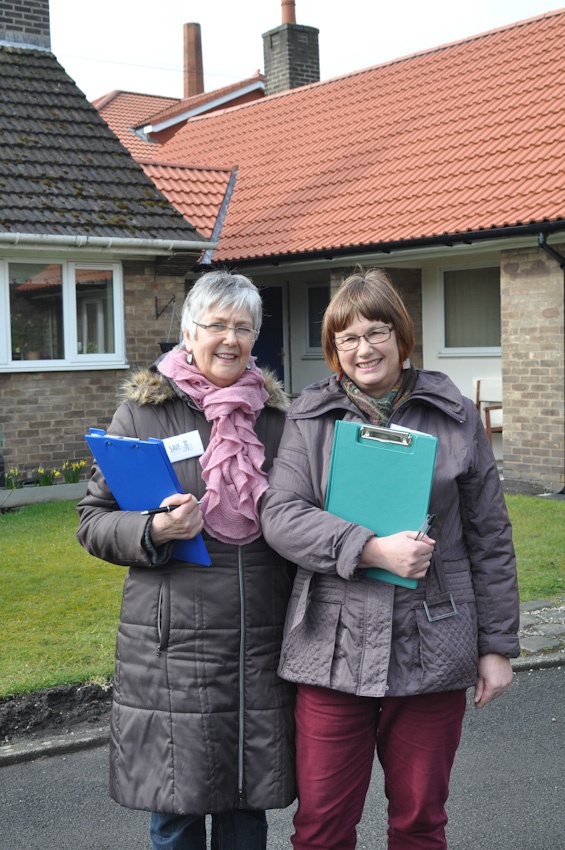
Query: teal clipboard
140	475
381	478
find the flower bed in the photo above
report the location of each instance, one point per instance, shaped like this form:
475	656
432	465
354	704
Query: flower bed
32	495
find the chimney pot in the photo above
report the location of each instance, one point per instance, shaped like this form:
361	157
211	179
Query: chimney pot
288	12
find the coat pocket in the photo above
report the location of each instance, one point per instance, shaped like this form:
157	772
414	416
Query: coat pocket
448	648
163	615
308	649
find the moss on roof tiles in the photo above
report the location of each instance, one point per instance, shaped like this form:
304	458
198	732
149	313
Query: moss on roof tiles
62	170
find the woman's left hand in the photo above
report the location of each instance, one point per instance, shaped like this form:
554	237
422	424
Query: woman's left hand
401	553
495	675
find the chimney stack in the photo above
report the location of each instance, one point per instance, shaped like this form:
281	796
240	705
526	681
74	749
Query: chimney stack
291	53
193	73
25	23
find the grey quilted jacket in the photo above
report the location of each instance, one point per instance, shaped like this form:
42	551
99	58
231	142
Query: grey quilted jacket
355	634
201	722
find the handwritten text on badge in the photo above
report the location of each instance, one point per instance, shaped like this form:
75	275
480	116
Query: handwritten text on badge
183	446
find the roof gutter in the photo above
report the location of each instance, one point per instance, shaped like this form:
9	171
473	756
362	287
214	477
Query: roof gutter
150	246
446	240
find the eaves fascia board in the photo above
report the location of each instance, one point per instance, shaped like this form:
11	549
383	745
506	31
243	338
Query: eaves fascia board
499	238
204	107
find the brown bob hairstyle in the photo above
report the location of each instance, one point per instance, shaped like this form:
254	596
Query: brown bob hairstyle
368	293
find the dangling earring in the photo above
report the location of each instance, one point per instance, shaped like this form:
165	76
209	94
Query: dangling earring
189	358
249	365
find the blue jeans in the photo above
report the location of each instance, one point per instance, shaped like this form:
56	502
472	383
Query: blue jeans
240	829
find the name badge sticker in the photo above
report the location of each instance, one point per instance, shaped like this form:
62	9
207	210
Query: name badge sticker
184	446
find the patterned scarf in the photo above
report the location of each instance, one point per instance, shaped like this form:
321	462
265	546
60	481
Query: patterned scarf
232	463
379	410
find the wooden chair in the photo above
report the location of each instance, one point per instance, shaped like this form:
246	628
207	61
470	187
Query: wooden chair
489	403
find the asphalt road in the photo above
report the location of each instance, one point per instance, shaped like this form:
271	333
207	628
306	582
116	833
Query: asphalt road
507	789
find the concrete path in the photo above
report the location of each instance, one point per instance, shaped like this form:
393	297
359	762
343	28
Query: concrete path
507	787
542	639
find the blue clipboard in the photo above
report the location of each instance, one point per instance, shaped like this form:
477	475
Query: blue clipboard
140	475
381	478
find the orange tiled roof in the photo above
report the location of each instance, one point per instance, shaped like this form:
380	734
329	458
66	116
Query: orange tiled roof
196	191
124	110
189	104
464	137
51	276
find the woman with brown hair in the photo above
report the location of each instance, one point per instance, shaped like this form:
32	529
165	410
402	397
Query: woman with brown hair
373	668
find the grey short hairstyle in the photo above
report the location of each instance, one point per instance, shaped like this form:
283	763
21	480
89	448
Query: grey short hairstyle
221	289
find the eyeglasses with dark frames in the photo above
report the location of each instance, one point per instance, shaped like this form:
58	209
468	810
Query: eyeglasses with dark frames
374	337
219	329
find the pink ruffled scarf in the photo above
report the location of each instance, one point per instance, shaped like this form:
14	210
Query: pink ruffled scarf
232	463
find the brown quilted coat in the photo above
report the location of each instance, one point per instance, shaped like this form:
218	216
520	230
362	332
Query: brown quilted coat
201	722
355	634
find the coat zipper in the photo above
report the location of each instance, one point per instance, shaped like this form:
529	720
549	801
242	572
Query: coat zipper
241	678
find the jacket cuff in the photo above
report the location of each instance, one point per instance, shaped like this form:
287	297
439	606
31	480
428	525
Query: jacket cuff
350	555
507	645
158	555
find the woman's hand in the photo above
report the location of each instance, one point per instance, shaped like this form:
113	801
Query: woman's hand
399	553
183	523
495	674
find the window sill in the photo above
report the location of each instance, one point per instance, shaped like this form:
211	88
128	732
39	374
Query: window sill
470	352
48	366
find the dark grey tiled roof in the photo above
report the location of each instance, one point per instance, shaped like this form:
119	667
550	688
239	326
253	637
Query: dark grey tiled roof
62	170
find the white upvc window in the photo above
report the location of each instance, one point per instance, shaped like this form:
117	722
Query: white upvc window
60	315
471	310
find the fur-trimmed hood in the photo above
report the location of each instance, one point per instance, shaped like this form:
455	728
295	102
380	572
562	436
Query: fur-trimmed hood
148	386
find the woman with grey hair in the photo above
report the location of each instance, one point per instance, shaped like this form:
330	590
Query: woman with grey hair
201	723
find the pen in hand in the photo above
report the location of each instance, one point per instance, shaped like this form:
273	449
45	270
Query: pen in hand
425	527
164	510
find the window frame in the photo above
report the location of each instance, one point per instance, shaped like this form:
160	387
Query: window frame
311	351
73	361
465	351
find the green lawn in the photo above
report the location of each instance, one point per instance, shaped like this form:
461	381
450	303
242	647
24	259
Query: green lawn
538	529
59	607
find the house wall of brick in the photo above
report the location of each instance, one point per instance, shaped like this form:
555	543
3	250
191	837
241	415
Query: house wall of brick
44	415
142	285
533	357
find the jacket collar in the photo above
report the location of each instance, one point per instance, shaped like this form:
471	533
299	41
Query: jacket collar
148	386
432	388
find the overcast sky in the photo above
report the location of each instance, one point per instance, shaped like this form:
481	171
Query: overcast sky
137	45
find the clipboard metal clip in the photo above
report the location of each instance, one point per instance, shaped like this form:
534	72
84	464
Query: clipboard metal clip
385	435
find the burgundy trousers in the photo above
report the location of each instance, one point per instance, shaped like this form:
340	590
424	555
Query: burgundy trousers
416	739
